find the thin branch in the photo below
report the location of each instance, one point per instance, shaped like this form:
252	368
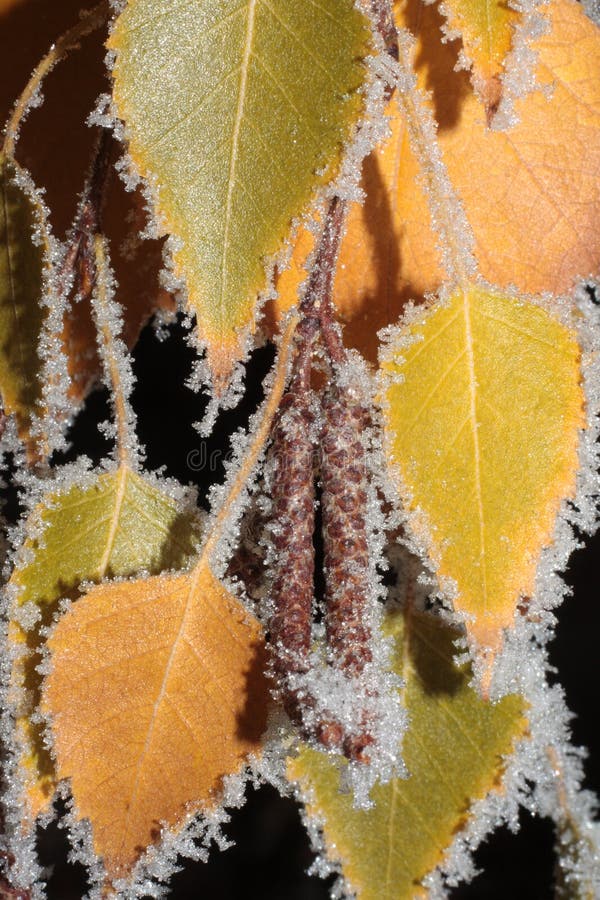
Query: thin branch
381	12
67	42
455	238
317	303
114	354
77	266
571	836
240	479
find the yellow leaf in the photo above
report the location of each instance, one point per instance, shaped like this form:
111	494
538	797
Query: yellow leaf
483	408
486	28
235	147
156	694
533	206
119	525
453	751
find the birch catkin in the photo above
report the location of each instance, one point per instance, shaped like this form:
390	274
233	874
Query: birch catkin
293	524
345	480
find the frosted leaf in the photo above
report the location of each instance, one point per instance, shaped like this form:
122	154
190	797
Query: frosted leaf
455	238
546	773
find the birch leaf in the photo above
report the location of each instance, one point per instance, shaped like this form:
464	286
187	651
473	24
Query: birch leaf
533	207
118	526
483	410
231	111
156	694
487	28
22	274
453	751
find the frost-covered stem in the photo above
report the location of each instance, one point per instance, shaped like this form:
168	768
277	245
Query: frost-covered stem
67	42
114	357
239	481
317	300
570	834
12	893
78	261
448	219
381	12
7	861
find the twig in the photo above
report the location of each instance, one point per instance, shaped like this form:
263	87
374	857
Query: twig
383	17
114	356
77	269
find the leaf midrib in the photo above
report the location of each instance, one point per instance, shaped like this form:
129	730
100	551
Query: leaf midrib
233	159
472	382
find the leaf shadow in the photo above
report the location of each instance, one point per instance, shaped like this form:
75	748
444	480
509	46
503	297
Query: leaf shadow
385	304
431	647
252	718
182	543
438	61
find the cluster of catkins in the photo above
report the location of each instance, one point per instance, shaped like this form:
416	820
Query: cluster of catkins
332	425
331	677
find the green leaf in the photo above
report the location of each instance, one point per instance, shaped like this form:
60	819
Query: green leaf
22	268
453	751
236	112
120	526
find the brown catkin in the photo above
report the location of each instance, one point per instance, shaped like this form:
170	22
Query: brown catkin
345	477
293	517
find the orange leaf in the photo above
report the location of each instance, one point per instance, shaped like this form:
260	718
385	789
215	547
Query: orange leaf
531	194
156	695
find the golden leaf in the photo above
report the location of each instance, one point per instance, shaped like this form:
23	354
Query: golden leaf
533	205
483	406
453	750
157	690
156	694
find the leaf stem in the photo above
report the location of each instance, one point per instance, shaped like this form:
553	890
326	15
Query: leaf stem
455	238
113	356
78	261
569	827
68	41
383	17
240	478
